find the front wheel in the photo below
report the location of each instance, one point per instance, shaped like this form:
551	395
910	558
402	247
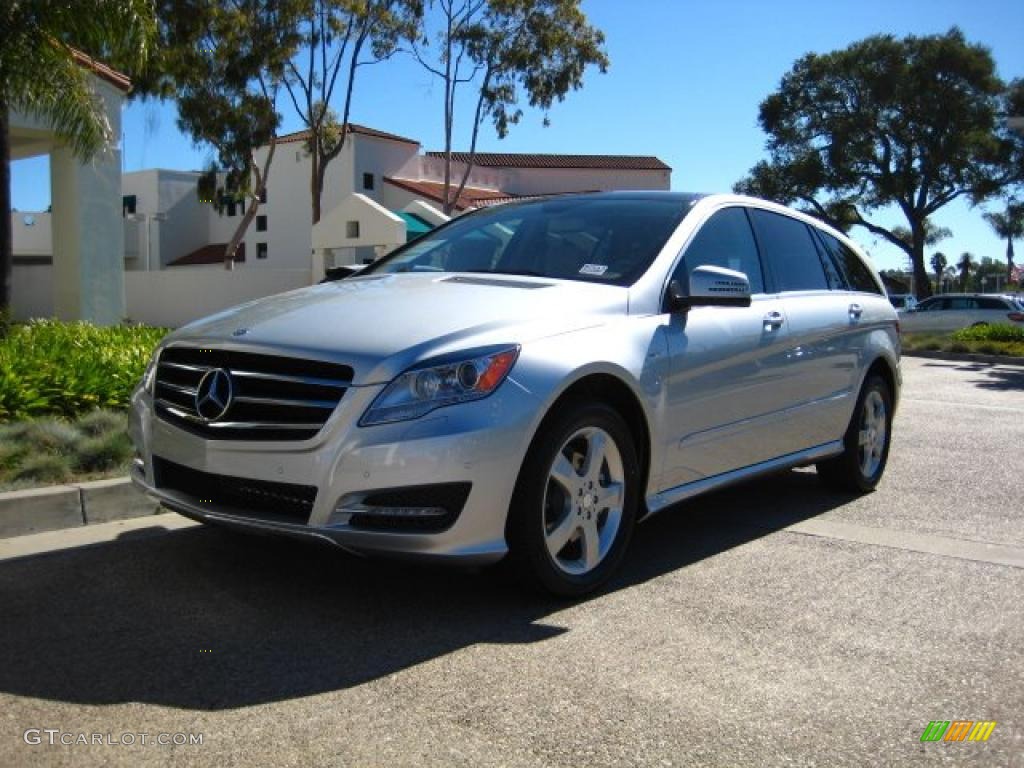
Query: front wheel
866	444
575	502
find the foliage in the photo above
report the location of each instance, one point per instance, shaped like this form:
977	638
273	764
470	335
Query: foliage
53	451
499	47
1008	225
224	62
49	368
965	266
977	341
938	264
913	123
336	39
991	332
41	76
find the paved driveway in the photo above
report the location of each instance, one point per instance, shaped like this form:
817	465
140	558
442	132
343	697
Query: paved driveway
772	624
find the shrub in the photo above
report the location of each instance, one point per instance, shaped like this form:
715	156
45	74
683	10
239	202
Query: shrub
993	332
44	468
100	422
50	368
102	453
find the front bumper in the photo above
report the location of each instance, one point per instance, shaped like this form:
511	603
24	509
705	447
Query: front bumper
481	443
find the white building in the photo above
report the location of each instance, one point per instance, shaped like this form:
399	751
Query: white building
380	190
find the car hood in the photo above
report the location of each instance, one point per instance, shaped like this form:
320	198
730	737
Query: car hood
382	324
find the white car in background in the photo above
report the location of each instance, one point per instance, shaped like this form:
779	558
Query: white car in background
952	311
903	302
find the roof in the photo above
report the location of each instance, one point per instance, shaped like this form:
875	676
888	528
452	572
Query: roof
117	79
208	254
471	197
414	225
601	162
362	130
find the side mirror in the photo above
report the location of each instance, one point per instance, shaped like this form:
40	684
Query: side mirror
710	287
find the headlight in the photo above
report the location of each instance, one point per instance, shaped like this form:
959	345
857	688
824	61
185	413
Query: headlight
437	383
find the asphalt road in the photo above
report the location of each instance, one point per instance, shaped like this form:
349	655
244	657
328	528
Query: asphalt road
729	638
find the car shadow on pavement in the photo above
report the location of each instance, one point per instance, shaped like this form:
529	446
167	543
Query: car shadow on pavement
207	619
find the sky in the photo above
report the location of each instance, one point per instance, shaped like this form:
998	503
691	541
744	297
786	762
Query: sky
685	81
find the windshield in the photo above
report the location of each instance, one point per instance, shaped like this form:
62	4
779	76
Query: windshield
594	239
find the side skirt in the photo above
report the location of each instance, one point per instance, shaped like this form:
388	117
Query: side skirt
658	501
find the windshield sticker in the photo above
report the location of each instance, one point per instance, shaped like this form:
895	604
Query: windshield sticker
593	269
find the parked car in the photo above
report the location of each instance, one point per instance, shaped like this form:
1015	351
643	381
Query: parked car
952	311
530	380
903	301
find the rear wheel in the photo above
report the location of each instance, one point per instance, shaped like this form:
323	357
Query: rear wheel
575	502
866	444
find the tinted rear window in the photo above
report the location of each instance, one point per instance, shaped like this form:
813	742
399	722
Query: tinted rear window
858	276
789	251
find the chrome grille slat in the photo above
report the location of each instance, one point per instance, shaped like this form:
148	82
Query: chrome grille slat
293	379
285	402
273	397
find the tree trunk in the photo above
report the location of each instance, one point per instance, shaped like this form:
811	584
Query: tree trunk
922	283
315	179
1009	259
250	213
6	232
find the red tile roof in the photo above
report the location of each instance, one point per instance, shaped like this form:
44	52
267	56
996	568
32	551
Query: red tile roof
602	162
363	130
117	79
208	254
471	197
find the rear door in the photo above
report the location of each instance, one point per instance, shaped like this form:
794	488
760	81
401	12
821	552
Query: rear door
824	331
725	388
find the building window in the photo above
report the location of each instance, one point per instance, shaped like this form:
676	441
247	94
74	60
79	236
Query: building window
261	250
367	181
261	223
128	205
351	229
263	196
231	208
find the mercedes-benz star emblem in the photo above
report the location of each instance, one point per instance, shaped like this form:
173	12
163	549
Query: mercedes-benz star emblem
213	395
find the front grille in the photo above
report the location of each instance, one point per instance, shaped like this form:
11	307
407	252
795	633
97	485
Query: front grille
273	398
258	499
451	497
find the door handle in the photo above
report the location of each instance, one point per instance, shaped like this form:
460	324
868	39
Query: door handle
773	321
856	310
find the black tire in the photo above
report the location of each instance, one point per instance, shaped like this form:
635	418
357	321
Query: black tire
540	503
852	470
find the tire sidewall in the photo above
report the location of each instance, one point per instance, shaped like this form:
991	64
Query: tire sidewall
525	526
874	383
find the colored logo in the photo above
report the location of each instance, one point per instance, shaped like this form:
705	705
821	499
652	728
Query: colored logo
213	395
958	730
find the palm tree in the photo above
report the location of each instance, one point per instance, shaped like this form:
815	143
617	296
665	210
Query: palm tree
938	267
40	77
965	265
1008	225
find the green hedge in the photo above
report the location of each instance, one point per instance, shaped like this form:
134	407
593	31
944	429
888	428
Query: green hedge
50	368
993	332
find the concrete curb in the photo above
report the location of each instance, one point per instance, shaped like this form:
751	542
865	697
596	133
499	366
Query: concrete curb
71	506
965	357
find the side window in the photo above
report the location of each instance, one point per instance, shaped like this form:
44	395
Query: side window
984	303
789	251
858	276
725	240
958	303
833	270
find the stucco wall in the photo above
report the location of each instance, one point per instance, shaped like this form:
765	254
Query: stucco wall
177	296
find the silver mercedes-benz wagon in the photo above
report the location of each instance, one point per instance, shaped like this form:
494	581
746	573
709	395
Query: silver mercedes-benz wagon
530	380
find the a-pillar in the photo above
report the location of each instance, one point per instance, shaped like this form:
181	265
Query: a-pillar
88	237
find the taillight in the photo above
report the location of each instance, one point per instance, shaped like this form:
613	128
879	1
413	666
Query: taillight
1017	317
